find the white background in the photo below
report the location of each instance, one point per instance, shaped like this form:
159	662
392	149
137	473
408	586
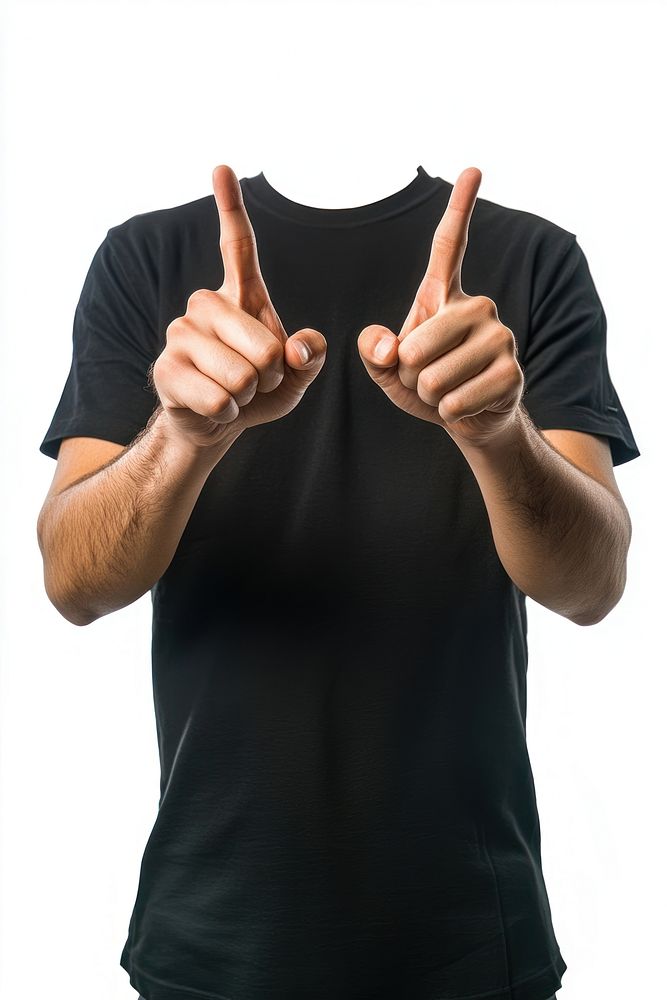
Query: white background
114	109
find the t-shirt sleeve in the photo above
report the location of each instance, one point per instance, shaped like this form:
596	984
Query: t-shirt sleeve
567	383
107	393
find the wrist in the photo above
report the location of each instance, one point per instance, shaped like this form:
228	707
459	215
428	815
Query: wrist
504	442
186	452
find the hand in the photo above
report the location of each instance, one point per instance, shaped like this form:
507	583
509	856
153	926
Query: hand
453	362
228	363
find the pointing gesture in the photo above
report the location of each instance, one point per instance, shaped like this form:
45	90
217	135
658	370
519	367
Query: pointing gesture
228	363
453	362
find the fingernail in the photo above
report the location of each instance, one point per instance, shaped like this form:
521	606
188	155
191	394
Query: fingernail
383	348
304	351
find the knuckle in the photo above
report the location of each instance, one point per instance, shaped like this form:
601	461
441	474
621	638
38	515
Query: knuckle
171	330
515	373
164	367
270	355
449	409
444	241
427	384
503	337
506	339
510	373
411	354
193	302
200	299
216	402
176	329
485	305
240	243
243	380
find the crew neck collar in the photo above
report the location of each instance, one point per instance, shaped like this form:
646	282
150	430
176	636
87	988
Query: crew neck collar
421	187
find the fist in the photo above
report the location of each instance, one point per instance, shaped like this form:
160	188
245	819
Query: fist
228	363
453	362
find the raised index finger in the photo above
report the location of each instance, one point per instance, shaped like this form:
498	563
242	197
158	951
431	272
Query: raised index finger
238	245
451	235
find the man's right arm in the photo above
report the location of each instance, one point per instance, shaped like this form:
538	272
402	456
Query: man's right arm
108	537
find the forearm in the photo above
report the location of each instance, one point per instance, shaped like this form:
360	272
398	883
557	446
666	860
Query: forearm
562	536
107	538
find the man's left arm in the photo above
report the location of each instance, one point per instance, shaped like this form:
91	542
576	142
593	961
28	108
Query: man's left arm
560	532
562	536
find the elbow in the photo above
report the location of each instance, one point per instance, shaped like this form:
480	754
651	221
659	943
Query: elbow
594	617
588	619
67	608
75	618
69	611
616	585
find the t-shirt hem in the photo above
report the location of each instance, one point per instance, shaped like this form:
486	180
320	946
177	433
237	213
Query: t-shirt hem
540	985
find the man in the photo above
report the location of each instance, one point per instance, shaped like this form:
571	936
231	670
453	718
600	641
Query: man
338	528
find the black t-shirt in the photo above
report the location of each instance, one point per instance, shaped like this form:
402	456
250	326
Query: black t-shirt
347	807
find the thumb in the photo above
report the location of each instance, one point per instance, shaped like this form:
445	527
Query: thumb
305	352
378	348
383	369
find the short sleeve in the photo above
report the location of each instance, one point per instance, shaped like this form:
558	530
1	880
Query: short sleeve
107	393
567	383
